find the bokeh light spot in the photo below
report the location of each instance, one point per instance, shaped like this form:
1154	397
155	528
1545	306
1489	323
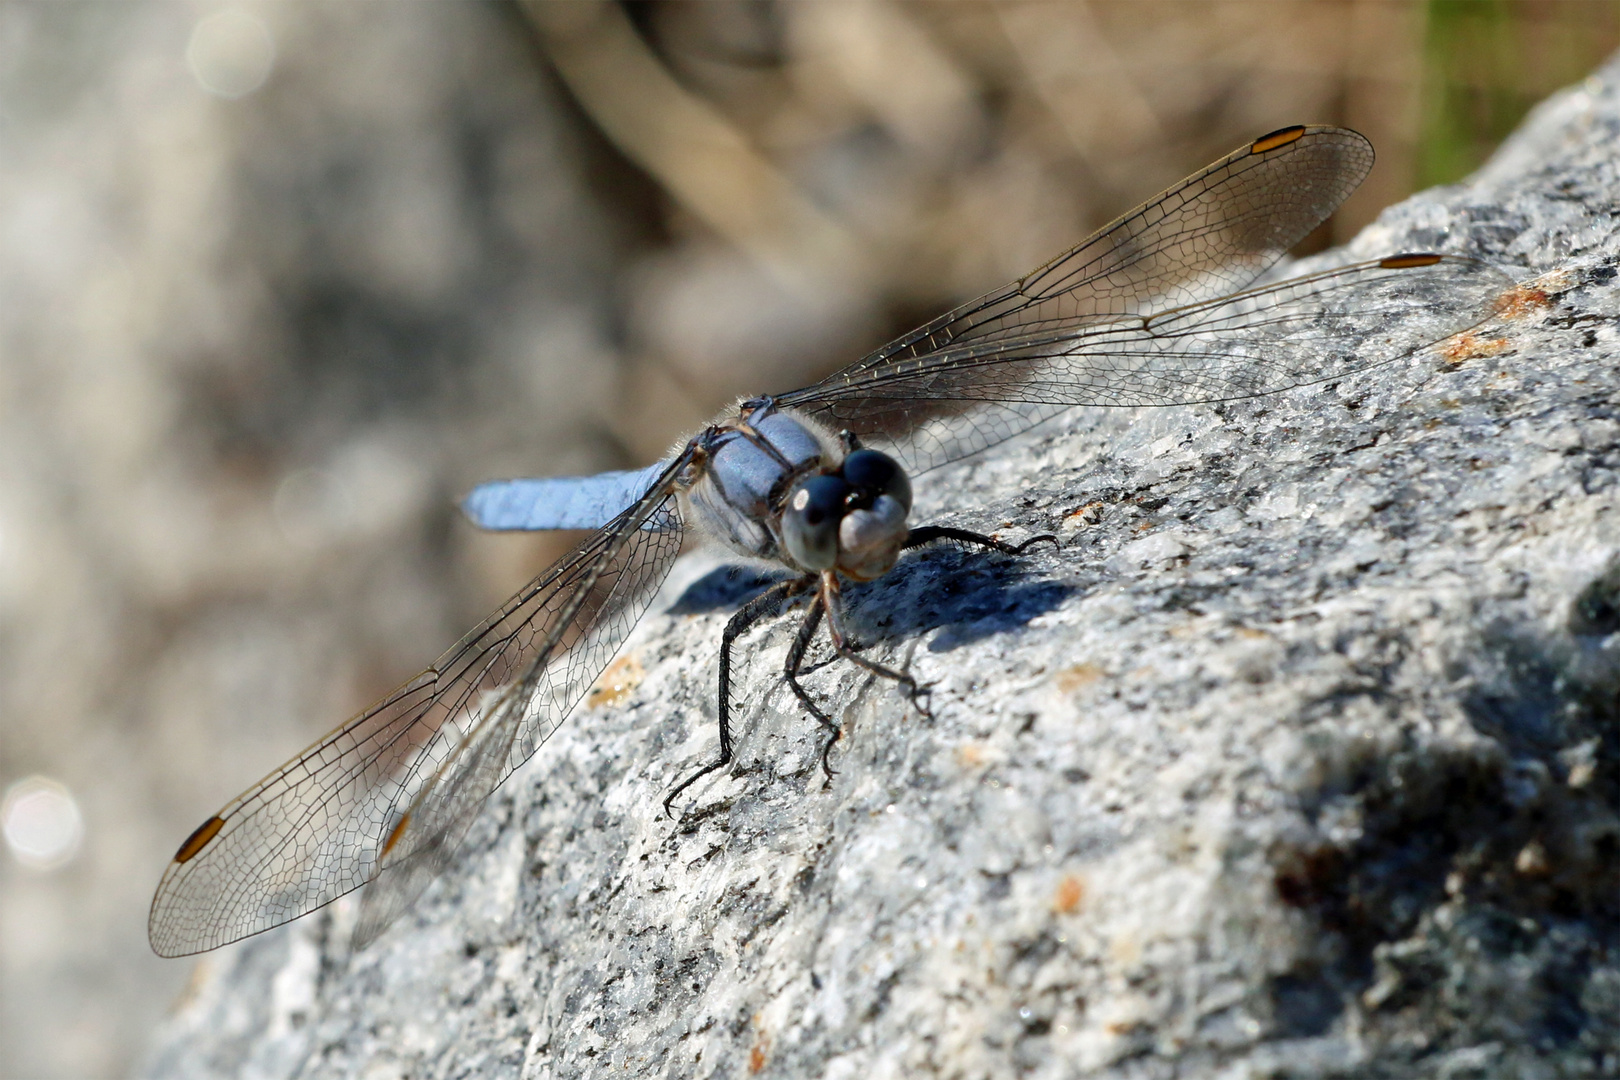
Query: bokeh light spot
41	822
313	507
230	54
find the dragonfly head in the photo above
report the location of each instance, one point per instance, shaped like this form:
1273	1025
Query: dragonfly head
853	520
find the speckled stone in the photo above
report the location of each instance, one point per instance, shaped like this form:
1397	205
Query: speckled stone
1300	757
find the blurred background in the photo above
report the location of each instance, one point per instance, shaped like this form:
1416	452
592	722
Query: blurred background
279	282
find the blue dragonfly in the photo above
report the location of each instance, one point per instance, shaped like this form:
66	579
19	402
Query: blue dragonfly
1158	308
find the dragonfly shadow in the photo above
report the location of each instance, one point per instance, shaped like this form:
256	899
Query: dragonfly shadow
1016	606
725	588
961	596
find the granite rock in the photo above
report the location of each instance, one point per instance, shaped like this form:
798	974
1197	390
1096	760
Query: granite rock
1299	757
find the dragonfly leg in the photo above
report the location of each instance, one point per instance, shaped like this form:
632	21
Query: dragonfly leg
746	616
790	672
930	533
835	629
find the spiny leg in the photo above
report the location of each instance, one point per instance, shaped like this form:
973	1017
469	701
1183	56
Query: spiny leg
916	538
745	617
828	596
790	671
930	533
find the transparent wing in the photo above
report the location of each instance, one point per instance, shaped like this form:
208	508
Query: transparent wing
939	406
1212	234
393	790
1209	236
561	502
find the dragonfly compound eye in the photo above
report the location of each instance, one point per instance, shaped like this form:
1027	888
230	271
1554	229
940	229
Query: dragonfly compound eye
810	522
872	473
870	538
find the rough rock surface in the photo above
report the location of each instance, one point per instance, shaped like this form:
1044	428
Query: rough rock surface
1301	757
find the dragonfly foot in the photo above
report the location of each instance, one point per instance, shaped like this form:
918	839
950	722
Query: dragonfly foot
1032	541
674	793
826	755
929	534
917	694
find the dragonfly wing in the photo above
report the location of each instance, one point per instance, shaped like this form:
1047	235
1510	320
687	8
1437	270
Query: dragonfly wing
396	786
1210	235
963	398
424	838
564	502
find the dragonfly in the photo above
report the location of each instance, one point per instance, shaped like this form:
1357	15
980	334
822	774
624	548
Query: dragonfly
1159	308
